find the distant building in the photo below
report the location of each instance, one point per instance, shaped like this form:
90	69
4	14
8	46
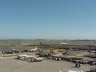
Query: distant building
26	43
23	43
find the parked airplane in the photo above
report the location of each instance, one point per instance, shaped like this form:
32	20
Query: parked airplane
29	58
35	49
64	43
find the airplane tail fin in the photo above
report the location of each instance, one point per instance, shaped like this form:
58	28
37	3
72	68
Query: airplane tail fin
36	47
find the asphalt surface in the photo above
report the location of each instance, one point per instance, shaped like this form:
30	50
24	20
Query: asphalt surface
9	64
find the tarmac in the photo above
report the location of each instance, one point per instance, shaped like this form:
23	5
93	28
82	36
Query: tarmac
10	64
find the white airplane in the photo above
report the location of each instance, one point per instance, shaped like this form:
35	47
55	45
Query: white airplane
64	43
35	49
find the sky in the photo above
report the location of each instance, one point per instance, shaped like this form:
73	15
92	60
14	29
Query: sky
47	19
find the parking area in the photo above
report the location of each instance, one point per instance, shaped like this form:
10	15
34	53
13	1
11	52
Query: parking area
10	64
